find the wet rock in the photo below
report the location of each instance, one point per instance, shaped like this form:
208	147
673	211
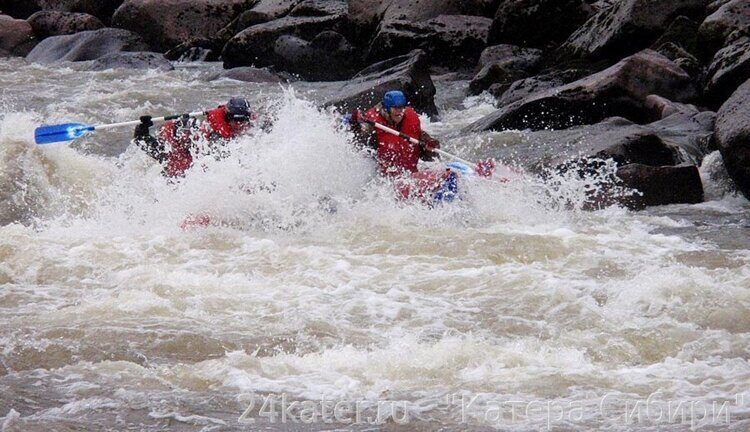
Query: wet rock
275	8
683	59
504	64
320	8
254	46
682	32
165	24
19	9
328	57
55	23
729	69
733	136
132	60
88	45
247	74
661	185
451	40
374	11
731	16
537	23
409	73
16	37
196	50
526	87
662	107
628	26
620	90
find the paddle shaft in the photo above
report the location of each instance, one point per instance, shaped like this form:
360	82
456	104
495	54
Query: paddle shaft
135	122
415	141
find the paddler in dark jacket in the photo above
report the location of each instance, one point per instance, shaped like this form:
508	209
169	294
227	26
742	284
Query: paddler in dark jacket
178	140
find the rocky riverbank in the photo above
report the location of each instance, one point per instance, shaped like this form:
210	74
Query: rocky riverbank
656	86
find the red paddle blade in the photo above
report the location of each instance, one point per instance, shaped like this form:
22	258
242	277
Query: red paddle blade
485	168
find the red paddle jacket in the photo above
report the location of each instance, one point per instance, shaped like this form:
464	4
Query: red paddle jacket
397	155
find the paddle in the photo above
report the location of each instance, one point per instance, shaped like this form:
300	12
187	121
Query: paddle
482	168
47	134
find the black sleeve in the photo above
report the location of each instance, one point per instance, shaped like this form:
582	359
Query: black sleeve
149	144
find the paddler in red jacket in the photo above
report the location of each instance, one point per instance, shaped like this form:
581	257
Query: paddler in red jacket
396	155
178	140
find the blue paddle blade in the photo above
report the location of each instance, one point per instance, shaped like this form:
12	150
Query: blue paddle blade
60	133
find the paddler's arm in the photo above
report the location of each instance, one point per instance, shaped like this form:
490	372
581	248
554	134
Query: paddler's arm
429	143
143	139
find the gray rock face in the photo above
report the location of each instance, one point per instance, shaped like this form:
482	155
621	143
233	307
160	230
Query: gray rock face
409	73
733	137
537	23
628	26
167	23
526	87
661	185
729	69
729	17
620	90
320	8
680	138
504	64
453	40
102	9
373	11
132	60
254	46
55	23
16	36
88	45
328	57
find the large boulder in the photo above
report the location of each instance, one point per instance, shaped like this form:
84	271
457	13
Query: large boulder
16	36
165	24
620	90
88	45
19	9
409	73
660	185
733	136
527	87
132	60
729	69
102	9
504	64
254	46
451	40
731	16
683	137
628	26
365	16
320	8
55	23
328	57
537	23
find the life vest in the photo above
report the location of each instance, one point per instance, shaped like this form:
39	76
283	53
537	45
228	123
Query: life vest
178	156
217	120
397	155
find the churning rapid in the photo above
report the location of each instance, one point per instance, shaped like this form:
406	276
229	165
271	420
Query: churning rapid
320	302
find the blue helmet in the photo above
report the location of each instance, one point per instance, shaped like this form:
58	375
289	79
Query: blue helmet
394	99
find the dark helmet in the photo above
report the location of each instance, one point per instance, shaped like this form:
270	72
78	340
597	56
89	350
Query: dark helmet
238	109
394	99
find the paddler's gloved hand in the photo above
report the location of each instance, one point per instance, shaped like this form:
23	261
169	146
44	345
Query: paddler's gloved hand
353	119
431	144
141	130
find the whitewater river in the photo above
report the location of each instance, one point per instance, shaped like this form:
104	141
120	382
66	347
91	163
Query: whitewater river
317	302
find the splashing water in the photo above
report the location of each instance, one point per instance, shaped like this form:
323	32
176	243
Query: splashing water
315	284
